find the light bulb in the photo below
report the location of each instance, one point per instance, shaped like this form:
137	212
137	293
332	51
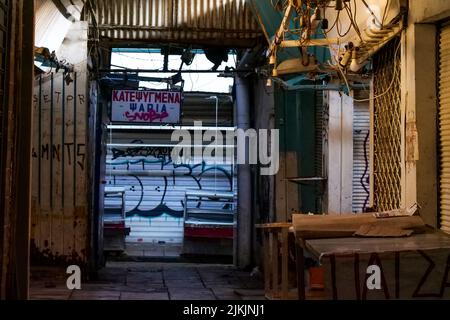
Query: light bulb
272	59
274	72
354	65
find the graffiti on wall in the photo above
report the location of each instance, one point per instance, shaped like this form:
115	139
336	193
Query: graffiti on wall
155	195
59	141
56	153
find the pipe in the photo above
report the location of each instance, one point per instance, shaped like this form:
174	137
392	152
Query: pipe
330	87
215	138
246	63
243	237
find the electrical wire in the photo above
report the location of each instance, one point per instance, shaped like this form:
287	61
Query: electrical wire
394	76
353	20
388	4
346	80
339	31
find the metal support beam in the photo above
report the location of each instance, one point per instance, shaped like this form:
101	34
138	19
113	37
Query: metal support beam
244	216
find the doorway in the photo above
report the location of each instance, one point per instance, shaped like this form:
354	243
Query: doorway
168	211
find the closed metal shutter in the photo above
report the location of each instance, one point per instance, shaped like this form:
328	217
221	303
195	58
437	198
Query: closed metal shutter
444	125
154	204
361	170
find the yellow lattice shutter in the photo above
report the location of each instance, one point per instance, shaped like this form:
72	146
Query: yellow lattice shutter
444	125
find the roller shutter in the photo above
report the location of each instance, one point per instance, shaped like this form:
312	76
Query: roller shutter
444	125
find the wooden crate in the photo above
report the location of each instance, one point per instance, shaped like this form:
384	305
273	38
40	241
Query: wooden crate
276	248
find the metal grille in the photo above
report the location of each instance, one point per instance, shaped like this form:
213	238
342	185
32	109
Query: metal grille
444	126
387	128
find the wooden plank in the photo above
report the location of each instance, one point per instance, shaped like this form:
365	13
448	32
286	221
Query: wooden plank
80	172
300	262
46	175
57	144
36	142
334	163
280	190
35	234
284	265
318	226
346	154
343	246
36	161
274	225
398	279
57	242
69	235
274	262
81	231
45	231
340	153
292	191
69	140
266	257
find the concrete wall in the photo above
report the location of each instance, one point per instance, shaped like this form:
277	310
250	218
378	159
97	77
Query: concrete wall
419	79
428	11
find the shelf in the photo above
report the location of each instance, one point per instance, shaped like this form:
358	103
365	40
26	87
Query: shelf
210	194
192	223
210	211
114	190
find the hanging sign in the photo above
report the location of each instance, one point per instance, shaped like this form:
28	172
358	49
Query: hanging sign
146	106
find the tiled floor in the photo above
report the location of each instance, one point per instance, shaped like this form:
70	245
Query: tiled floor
151	281
153	250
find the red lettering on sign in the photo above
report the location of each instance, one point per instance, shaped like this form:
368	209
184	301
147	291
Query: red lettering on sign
150	116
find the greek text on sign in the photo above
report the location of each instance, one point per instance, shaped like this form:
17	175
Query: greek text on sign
146	106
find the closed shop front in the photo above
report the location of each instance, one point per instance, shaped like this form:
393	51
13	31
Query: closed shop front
361	148
139	161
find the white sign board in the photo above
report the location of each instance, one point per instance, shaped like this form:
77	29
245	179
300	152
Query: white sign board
146	106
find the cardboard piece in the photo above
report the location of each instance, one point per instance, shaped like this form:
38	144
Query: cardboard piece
348	225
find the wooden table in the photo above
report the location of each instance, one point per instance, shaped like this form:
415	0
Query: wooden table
414	267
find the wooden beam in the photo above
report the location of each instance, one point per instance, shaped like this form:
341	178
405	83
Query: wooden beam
284	264
23	169
274	261
324	226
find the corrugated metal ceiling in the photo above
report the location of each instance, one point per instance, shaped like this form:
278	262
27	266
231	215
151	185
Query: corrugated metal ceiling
219	22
